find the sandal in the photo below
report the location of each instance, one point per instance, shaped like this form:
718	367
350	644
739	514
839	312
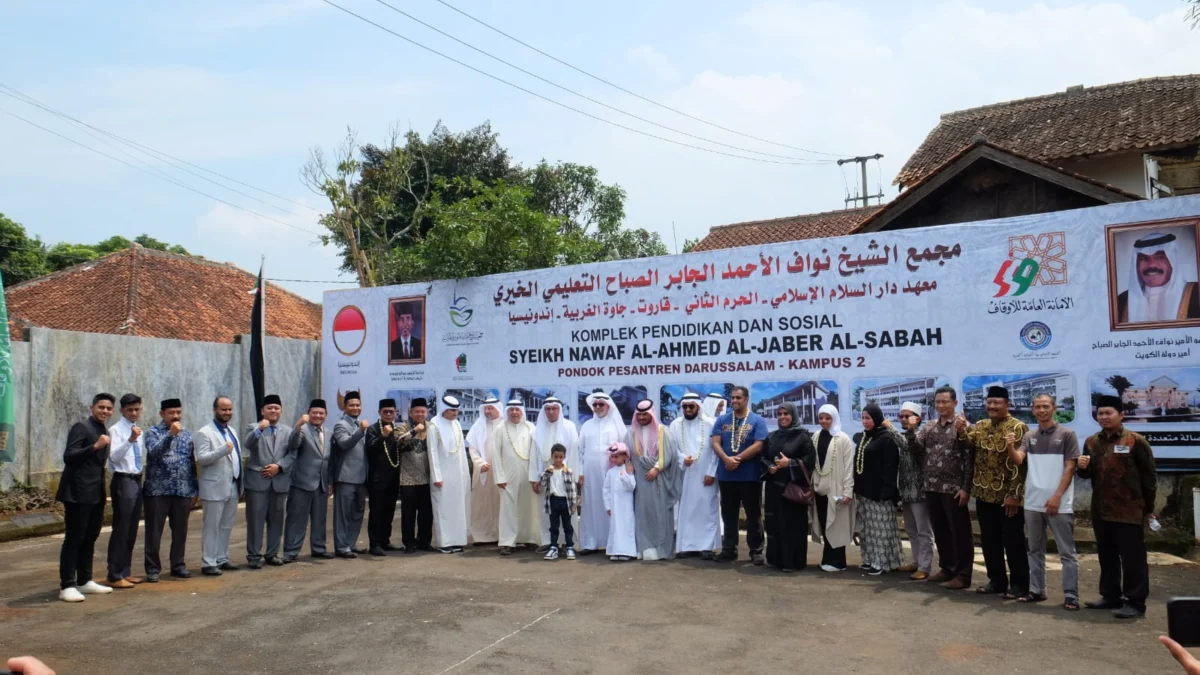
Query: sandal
987	590
1032	597
1009	595
1071	605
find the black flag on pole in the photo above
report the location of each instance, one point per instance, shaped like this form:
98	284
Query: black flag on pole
258	335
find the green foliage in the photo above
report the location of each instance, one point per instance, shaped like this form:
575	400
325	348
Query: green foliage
690	244
63	255
415	208
21	257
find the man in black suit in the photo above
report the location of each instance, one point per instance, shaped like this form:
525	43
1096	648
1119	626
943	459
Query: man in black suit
81	490
405	347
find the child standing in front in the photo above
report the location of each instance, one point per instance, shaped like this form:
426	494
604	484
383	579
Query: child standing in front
558	484
619	484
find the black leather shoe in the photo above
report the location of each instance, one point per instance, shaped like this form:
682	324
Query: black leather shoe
274	561
1104	603
377	551
410	549
427	548
1129	612
152	578
348	555
359	551
726	556
324	555
255	564
389	547
211	571
288	560
181	574
230	567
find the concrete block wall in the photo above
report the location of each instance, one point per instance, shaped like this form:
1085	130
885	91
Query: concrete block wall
58	372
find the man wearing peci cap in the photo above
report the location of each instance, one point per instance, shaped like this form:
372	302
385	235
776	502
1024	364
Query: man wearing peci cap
416	503
999	489
268	481
451	476
1121	467
348	471
383	478
308	497
170	488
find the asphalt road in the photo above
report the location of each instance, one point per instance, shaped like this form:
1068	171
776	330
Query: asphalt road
480	613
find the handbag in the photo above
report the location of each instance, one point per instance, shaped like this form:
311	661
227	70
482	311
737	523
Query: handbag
800	494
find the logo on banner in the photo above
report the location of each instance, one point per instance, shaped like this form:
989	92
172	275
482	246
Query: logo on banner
1035	335
1033	259
461	312
461	363
349	330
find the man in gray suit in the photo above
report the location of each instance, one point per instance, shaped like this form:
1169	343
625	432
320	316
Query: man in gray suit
219	455
308	498
348	467
267	482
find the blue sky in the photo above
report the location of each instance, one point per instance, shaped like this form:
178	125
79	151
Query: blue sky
247	88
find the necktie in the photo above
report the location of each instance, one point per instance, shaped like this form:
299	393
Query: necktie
236	455
137	455
271	430
321	440
407	354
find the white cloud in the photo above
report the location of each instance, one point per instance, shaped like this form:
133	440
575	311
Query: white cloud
658	63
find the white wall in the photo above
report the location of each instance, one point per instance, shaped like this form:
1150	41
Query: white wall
1127	171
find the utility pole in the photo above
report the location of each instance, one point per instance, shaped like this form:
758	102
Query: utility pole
862	162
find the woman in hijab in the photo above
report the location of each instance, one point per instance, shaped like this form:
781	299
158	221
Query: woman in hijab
787	449
833	481
876	464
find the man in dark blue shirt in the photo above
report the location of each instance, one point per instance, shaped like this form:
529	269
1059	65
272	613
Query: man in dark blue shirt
737	438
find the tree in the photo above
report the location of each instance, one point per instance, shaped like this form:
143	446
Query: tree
387	201
63	255
1120	383
690	244
21	257
1193	13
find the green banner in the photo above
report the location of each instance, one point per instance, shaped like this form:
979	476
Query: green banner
8	427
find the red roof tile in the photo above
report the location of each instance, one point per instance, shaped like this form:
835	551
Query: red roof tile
1148	114
792	228
155	294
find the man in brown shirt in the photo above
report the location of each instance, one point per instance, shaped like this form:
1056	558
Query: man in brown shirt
416	502
999	488
1120	465
948	469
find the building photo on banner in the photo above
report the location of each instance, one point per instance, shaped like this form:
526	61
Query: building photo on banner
1075	304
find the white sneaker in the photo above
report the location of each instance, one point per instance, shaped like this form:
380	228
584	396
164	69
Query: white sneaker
71	594
552	554
831	568
93	588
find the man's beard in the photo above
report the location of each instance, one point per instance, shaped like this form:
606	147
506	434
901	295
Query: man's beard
690	415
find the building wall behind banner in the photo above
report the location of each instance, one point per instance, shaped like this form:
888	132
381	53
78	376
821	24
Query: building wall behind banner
57	373
1024	302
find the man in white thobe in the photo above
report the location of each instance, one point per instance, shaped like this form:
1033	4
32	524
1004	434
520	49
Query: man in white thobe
655	466
552	428
713	407
1161	281
451	479
519	506
595	437
699	510
485	498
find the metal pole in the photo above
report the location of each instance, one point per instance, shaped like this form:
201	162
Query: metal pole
864	183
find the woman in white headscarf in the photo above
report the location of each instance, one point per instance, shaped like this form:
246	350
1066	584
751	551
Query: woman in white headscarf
485	498
833	510
595	437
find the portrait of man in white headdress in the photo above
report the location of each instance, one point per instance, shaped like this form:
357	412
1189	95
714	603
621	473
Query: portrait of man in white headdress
1154	270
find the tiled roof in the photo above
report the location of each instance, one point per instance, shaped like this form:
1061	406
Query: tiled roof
1148	114
792	228
155	294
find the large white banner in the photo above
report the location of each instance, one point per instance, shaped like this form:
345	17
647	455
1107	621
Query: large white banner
1076	304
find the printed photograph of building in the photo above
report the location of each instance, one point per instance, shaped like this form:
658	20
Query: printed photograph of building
890	392
471	400
404	399
808	396
1022	389
1151	395
625	398
535	398
670	395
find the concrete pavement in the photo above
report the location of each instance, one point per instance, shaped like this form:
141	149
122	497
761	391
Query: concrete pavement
481	613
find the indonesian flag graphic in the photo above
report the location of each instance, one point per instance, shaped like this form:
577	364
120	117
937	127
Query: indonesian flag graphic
349	330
